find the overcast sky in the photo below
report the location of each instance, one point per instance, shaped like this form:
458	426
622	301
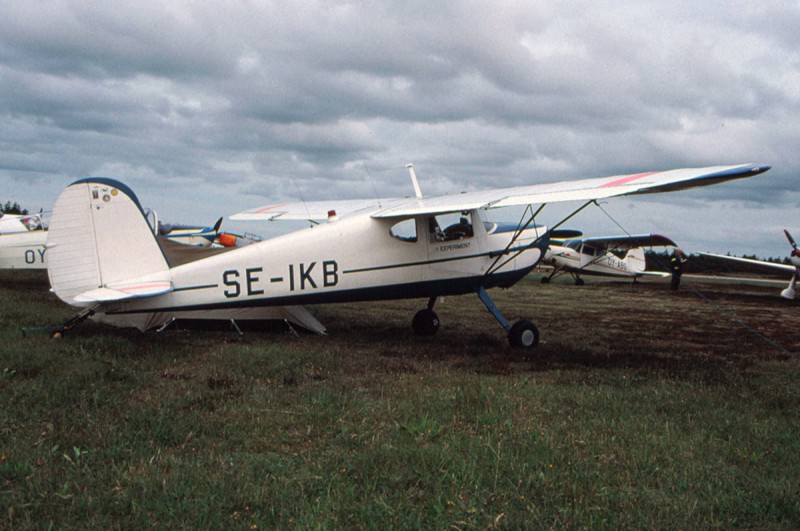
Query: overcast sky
209	108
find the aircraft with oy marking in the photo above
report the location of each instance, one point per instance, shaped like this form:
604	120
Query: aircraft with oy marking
22	241
104	259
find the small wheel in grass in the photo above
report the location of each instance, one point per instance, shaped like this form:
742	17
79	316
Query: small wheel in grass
425	323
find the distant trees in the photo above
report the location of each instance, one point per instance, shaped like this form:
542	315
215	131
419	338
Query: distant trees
13	208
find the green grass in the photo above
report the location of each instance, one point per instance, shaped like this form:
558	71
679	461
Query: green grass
623	418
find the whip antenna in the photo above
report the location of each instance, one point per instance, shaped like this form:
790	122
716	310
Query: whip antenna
372	182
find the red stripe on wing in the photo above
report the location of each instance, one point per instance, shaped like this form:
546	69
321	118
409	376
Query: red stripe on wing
629	178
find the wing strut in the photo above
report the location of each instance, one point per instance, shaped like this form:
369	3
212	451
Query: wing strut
494	267
490	305
520	229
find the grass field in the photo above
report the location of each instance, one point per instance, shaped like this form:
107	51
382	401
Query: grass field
640	409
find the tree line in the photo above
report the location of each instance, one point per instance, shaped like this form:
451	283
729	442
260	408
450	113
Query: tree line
12	208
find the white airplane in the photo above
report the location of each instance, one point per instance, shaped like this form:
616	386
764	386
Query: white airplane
11	223
103	257
794	268
615	256
22	241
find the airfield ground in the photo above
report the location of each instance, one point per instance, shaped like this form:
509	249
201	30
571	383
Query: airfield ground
640	409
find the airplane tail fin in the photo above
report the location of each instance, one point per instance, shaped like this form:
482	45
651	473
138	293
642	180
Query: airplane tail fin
635	260
100	246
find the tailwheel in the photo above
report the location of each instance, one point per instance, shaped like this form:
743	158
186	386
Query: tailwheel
425	322
523	334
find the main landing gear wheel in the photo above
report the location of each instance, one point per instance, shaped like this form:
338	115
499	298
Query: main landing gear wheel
523	334
545	280
579	282
425	322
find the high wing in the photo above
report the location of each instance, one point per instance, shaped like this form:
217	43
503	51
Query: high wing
772	265
620	243
317	210
580	190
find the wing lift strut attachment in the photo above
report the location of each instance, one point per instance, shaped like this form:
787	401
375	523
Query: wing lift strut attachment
522	334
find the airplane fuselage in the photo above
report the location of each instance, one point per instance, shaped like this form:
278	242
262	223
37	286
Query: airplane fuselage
353	259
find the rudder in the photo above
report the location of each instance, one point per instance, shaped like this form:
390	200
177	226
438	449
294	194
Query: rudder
99	237
635	260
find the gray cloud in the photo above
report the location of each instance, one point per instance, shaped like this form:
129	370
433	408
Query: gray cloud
268	100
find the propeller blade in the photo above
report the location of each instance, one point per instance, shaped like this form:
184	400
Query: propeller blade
217	225
791	240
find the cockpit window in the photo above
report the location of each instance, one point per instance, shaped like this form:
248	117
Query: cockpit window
405	231
447	227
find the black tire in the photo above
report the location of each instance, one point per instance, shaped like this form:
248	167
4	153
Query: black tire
545	280
579	282
425	323
523	334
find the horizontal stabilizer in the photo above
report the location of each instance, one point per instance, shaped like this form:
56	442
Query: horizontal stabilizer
660	274
125	291
565	234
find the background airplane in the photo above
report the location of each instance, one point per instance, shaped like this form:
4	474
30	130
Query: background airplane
22	241
794	258
368	249
615	256
11	223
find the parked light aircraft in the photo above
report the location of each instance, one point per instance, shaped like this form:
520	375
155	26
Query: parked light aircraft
103	257
794	268
615	256
22	241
